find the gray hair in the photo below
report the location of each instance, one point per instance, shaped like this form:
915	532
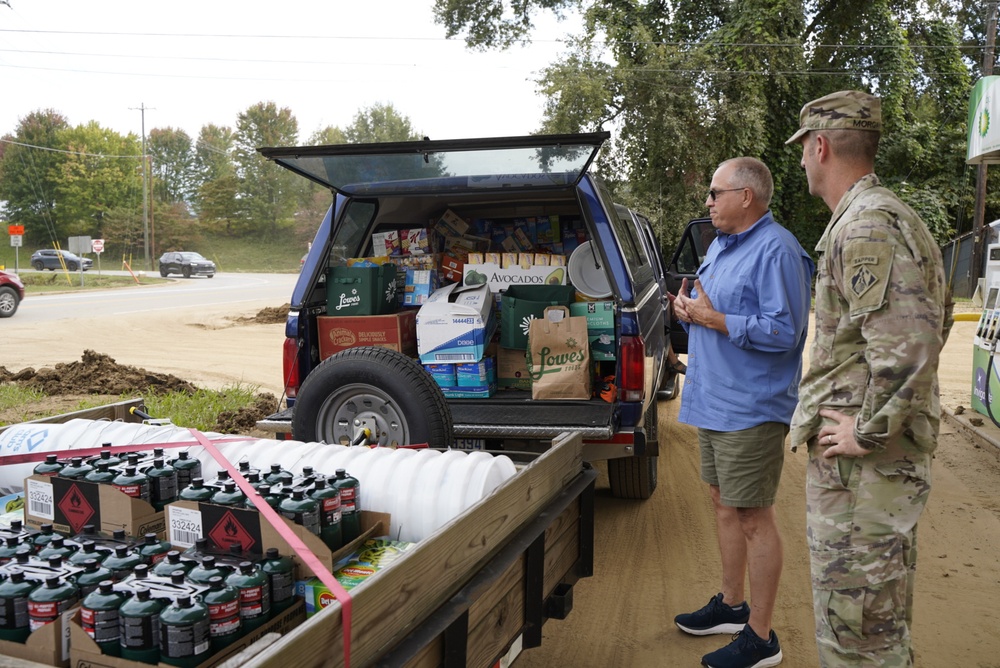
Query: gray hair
753	174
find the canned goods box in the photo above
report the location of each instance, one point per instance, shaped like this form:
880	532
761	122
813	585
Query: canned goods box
49	645
70	504
84	652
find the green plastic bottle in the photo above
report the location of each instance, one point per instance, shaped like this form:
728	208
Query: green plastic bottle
93	574
47	602
278	476
132	482
280	571
57	547
9	548
153	550
99	617
14	622
76	470
172	563
121	562
301	510
139	622
184	633
51	466
255	595
106	456
223	601
328	499
206	570
188	468
196	491
350	511
229	495
101	474
246	470
162	484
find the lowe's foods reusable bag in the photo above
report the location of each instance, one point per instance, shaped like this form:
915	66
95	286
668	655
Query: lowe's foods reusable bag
559	355
520	304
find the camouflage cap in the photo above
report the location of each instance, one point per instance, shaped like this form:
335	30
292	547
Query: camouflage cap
843	110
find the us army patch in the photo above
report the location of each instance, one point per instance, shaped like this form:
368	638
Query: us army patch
867	267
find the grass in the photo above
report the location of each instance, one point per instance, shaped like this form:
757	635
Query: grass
201	409
39	283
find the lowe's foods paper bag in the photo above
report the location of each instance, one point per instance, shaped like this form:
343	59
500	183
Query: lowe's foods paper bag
559	356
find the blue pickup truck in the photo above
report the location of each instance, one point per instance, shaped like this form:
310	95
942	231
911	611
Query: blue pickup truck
389	187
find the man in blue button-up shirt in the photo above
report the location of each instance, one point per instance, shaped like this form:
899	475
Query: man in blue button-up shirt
747	316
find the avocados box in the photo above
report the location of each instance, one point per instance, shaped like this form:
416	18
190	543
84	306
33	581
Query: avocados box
49	645
397	331
84	652
70	504
600	327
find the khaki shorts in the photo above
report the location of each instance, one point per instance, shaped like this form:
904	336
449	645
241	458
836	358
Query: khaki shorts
745	465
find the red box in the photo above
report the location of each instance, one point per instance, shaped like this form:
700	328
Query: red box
396	331
451	268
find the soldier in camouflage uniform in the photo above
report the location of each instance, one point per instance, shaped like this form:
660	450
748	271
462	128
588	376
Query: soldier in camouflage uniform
868	405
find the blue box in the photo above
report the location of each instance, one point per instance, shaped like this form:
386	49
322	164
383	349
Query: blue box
443	374
474	374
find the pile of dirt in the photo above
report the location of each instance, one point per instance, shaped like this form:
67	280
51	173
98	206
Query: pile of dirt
271	315
95	373
99	377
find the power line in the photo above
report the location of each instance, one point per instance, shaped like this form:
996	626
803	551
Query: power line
59	150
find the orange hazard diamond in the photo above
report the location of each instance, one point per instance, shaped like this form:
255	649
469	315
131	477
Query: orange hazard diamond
76	508
228	530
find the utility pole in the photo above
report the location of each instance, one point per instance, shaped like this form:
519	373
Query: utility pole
979	212
145	191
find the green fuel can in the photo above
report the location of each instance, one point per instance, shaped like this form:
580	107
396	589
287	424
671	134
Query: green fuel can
93	574
162	484
152	549
255	595
172	563
99	617
280	571
184	633
42	538
51	466
9	548
350	497
188	468
229	495
278	476
196	491
88	550
301	510
57	547
328	499
139	627
223	601
132	482
121	562
77	469
47	602
102	474
14	622
206	570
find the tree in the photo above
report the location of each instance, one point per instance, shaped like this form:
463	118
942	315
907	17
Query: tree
268	192
172	165
379	123
29	173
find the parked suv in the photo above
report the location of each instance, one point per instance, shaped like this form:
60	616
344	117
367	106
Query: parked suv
11	293
390	187
48	258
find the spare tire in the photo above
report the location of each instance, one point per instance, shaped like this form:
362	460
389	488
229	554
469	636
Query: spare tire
382	389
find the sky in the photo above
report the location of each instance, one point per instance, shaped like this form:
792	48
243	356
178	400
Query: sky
191	63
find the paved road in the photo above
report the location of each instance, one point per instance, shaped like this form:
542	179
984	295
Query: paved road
225	289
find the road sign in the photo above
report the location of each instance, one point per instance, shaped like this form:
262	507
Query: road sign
97	245
15	229
15	240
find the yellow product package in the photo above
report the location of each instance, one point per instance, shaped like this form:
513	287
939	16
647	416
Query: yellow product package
373	555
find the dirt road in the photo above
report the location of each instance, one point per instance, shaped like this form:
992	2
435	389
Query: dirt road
655	558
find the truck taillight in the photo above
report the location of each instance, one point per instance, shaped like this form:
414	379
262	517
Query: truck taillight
633	367
290	366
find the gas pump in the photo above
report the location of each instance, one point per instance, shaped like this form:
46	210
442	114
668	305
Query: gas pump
986	342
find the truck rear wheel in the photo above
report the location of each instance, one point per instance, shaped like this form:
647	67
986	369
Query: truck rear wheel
375	387
636	477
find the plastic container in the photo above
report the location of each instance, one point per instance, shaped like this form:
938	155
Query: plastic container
15	625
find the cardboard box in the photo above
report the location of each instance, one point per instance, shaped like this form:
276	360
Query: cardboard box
451	225
420	285
451	268
397	331
521	304
455	324
500	278
386	243
443	374
481	392
600	327
361	290
474	374
84	652
70	504
512	369
49	645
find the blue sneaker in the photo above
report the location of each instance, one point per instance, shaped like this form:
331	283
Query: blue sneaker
746	651
716	617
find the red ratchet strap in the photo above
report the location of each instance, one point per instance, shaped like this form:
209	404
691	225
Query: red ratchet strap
300	549
29	457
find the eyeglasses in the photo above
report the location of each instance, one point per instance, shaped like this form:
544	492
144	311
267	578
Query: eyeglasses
713	193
